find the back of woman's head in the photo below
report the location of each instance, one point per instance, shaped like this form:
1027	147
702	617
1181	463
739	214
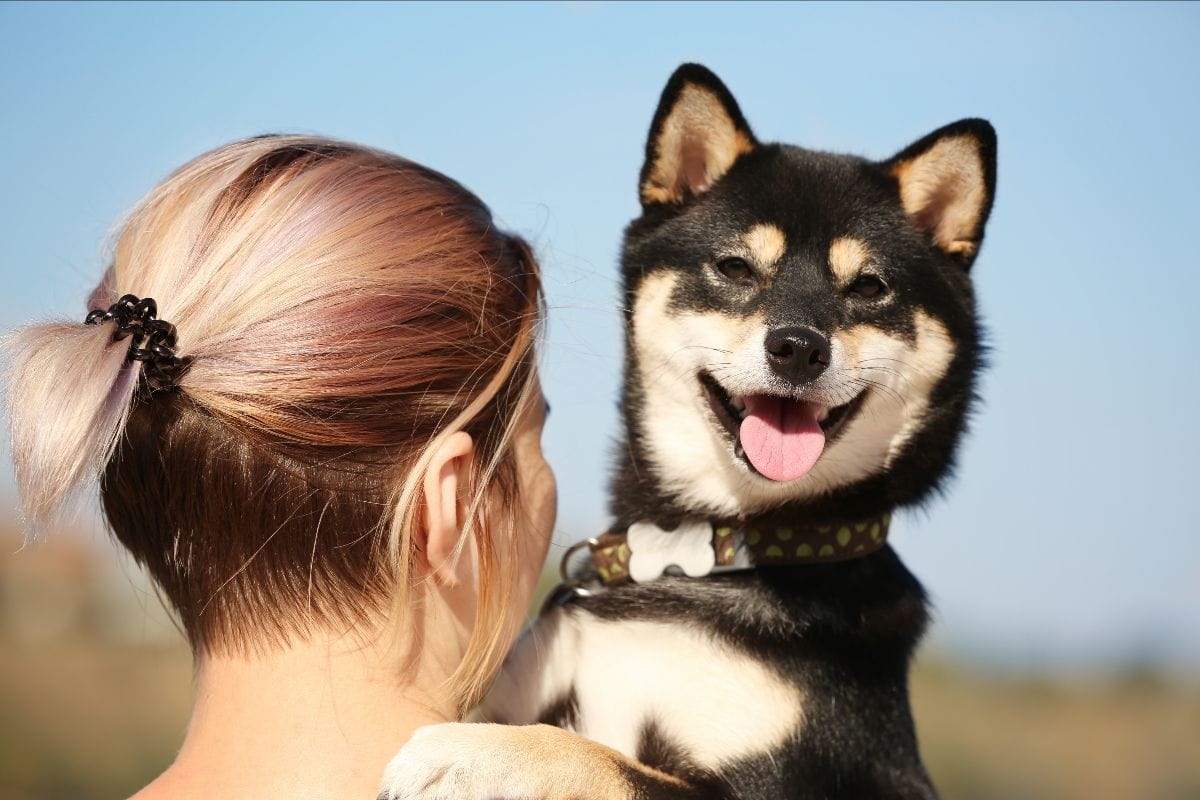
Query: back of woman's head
338	309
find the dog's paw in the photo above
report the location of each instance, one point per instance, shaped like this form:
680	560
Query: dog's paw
459	761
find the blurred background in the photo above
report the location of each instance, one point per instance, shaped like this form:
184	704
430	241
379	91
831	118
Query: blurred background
1065	559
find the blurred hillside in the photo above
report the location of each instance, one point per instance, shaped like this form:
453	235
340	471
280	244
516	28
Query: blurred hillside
95	690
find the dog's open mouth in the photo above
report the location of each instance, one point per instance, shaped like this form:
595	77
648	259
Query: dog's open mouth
778	437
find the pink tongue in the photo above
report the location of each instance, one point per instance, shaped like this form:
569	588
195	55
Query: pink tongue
781	437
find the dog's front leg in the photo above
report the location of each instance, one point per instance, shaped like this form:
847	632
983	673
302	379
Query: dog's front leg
482	761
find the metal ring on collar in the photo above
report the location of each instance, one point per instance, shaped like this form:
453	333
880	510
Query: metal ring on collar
563	565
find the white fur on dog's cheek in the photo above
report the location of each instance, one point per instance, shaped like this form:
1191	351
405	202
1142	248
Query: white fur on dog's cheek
903	377
687	453
930	361
862	447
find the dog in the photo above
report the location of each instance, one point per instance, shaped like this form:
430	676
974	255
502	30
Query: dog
802	347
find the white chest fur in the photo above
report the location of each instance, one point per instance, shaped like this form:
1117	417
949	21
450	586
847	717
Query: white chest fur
713	702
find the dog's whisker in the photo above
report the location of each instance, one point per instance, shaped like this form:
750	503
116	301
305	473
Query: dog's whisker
883	389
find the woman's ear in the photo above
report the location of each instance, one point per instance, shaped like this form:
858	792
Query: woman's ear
447	480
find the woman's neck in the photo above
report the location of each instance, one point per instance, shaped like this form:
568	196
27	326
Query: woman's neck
316	720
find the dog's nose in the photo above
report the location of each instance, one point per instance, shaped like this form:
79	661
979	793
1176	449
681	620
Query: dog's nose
798	354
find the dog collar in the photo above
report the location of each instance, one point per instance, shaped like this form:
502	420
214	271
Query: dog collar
699	547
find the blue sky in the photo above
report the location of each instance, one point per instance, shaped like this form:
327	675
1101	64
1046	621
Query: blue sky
1069	535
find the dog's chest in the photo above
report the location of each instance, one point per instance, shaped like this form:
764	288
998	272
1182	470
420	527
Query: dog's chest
707	700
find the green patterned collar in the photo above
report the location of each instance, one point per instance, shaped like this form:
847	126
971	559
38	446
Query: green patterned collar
699	547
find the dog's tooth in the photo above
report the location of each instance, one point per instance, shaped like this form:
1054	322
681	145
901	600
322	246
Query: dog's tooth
737	402
823	414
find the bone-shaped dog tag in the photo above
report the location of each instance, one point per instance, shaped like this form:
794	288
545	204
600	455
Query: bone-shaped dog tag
652	549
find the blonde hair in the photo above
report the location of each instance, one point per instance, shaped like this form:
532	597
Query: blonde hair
340	309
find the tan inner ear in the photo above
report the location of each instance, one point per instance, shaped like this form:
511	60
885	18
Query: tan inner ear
697	145
944	192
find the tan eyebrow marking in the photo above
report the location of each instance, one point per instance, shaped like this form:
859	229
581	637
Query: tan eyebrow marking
767	245
847	257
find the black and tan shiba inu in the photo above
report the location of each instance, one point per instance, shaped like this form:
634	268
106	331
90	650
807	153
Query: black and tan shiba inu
802	346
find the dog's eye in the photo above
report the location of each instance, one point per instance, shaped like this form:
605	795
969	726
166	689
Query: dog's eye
735	269
868	286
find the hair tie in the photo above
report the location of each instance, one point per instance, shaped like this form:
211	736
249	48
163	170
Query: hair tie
153	339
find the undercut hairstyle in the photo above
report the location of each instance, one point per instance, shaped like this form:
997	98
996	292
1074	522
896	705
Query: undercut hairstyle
340	310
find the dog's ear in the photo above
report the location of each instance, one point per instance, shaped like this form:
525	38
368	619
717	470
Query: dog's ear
697	134
947	181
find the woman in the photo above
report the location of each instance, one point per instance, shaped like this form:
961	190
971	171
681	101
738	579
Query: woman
307	388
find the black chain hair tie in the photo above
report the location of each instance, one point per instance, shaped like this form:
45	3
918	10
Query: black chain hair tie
153	339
